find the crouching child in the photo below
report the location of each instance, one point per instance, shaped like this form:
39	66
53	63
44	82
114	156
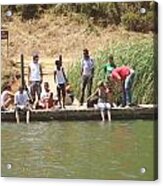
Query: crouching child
21	102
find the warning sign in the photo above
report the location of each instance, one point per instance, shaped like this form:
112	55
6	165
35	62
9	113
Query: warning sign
4	34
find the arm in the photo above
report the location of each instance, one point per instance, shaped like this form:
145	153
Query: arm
116	76
92	95
93	67
55	76
11	94
64	75
81	72
41	73
29	72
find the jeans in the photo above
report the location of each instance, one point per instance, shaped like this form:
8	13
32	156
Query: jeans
127	86
86	82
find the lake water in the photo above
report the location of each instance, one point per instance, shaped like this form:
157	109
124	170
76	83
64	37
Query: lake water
90	150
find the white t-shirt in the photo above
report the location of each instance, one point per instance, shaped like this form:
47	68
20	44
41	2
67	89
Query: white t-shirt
35	74
87	65
45	95
60	79
21	99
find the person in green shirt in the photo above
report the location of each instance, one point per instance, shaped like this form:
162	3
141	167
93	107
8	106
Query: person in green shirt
108	67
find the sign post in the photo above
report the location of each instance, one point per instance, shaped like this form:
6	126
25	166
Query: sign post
22	70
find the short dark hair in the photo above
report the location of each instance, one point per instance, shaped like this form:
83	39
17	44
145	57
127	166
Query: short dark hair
57	62
35	56
46	83
86	50
111	57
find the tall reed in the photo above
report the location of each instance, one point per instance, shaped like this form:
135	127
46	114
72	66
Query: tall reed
138	54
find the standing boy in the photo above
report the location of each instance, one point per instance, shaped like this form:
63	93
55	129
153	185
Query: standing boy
108	67
87	73
35	78
60	80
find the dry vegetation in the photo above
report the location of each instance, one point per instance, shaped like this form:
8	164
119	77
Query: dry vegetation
53	35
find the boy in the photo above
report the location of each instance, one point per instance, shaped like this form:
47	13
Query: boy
46	97
22	104
60	80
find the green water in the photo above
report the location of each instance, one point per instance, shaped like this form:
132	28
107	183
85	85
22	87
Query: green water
79	150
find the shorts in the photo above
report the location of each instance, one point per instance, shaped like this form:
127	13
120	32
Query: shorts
21	108
104	106
35	87
61	87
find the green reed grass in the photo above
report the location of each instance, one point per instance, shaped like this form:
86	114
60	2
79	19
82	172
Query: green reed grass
138	54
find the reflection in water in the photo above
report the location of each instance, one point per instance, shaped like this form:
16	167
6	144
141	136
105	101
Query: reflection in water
115	150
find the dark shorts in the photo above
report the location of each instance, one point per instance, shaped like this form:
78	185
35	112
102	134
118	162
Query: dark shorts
61	88
35	87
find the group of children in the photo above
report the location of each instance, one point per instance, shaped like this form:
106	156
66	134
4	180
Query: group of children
25	99
34	97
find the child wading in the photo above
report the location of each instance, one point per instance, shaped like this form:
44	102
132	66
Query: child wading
22	104
103	93
60	79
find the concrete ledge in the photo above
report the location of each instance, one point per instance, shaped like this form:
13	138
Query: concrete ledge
141	112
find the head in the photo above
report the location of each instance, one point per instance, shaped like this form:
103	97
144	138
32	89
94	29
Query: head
35	58
86	53
7	87
21	89
58	64
111	59
46	86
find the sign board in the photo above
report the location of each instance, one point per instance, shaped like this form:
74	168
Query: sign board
4	34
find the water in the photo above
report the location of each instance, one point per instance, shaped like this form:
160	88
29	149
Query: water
88	150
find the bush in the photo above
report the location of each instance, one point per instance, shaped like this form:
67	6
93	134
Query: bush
30	12
137	22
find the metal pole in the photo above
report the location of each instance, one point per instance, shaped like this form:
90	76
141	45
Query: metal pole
22	70
8	46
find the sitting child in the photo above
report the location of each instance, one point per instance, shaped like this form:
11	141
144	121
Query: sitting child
102	97
69	95
22	104
47	101
7	98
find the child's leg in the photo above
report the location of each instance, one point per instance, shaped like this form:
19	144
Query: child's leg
17	116
102	115
27	116
63	95
109	115
59	95
108	107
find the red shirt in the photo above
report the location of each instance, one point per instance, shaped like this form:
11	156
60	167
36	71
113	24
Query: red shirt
120	73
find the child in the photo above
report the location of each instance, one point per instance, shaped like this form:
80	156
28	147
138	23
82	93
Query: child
7	98
69	94
60	79
103	93
22	104
103	103
46	97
